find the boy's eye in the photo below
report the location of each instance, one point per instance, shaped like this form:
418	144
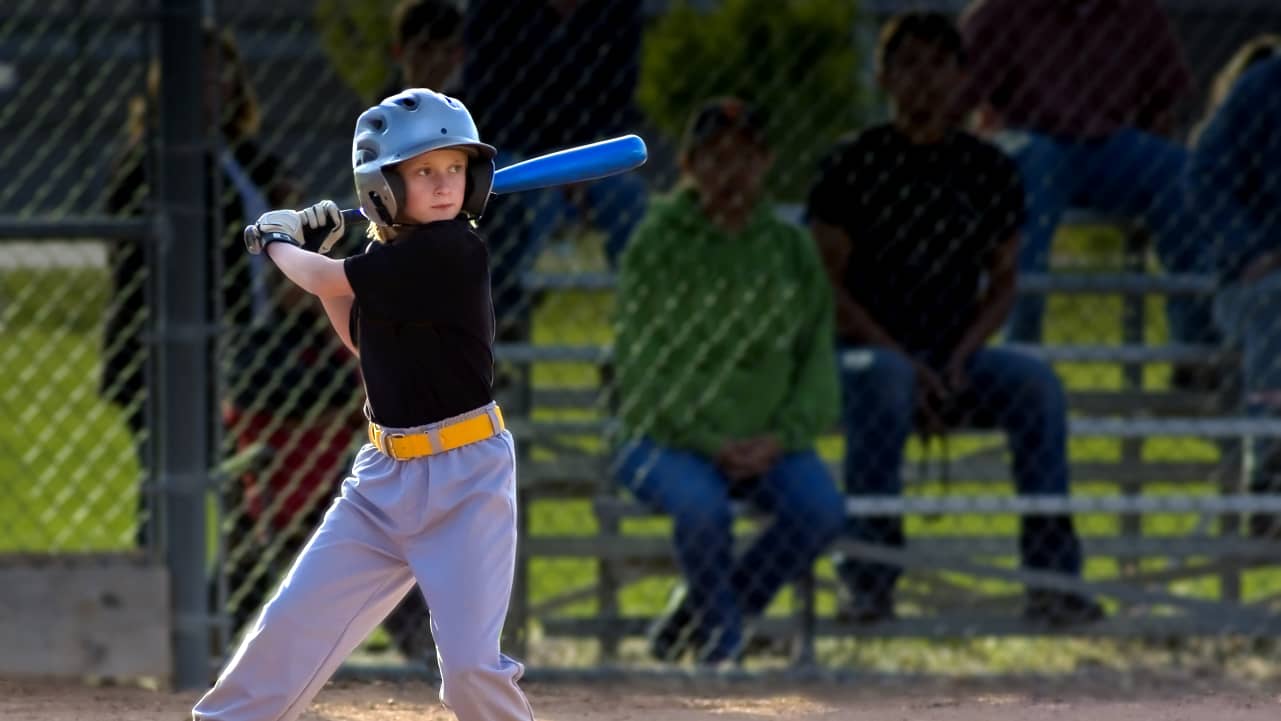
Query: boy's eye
457	168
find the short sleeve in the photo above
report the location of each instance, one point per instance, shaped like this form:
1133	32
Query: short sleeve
353	325
1007	190
373	276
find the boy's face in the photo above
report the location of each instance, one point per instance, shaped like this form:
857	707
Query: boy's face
923	81
729	168
428	64
435	185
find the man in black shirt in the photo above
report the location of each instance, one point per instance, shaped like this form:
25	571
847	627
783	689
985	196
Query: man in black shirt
545	75
918	225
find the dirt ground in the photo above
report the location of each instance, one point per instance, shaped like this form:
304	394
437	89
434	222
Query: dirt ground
896	700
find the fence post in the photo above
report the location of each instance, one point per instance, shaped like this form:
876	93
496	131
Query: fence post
1133	322
181	334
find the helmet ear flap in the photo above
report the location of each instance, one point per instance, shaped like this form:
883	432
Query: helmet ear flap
396	185
480	183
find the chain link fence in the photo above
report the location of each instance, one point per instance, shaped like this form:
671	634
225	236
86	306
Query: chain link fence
692	453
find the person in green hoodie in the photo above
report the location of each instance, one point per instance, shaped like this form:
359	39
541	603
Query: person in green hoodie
726	376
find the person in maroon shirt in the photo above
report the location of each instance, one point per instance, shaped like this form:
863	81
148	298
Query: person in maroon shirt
1081	94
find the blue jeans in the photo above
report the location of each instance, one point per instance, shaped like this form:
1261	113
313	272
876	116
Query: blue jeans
1129	173
1008	390
1250	316
807	513
518	224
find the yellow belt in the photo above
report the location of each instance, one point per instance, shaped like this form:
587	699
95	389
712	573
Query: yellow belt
405	446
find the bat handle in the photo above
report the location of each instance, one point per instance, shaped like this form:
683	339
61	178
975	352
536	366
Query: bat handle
351	215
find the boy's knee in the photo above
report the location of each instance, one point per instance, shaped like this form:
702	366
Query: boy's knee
1042	389
881	380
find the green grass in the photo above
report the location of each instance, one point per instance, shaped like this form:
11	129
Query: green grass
69	474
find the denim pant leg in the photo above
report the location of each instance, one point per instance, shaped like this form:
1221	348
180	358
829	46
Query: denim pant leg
878	389
1250	316
617	203
1139	175
1023	396
688	487
1049	182
807	514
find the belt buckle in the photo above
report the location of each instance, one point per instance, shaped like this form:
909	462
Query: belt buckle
391	449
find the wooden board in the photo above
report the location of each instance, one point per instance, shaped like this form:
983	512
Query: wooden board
84	616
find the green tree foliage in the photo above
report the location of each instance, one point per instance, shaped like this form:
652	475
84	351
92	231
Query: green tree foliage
357	37
797	60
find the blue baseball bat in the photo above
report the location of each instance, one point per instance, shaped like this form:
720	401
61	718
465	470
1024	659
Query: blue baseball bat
572	165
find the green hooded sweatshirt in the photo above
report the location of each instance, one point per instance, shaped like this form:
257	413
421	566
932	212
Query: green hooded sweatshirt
723	336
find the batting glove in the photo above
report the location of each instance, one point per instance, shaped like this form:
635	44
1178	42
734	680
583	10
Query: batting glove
274	226
322	226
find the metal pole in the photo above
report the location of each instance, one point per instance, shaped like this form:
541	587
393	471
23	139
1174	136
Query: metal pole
183	340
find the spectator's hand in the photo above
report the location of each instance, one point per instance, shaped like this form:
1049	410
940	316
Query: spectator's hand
931	394
1261	266
741	460
322	226
759	454
954	376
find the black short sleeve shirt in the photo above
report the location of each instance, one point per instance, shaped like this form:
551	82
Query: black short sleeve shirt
423	321
924	222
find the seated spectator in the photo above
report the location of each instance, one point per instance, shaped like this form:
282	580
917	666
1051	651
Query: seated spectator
427	45
918	223
1083	94
1235	175
726	376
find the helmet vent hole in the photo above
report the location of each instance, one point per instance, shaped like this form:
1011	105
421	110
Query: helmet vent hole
408	103
444	131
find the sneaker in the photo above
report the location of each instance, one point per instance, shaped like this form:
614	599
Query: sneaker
674	632
723	647
865	608
1058	608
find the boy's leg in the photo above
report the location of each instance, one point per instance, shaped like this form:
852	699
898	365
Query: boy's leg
1023	396
808	513
1139	175
1049	182
690	488
347	578
1248	314
464	557
879	390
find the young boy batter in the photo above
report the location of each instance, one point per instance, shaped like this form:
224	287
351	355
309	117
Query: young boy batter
431	499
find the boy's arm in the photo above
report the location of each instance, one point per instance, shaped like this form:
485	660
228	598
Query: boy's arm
996	302
314	273
853	322
812	408
280	234
338	308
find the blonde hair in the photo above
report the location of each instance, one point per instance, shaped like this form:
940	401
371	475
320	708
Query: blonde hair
241	117
1254	50
379	233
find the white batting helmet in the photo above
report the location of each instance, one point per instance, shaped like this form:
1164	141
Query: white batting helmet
408	124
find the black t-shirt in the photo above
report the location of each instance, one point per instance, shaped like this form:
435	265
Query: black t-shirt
538	79
423	321
923	221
